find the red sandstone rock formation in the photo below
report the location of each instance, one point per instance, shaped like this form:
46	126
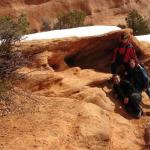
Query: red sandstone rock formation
98	12
70	108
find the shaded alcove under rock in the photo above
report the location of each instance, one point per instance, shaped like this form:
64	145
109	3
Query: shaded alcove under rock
97	51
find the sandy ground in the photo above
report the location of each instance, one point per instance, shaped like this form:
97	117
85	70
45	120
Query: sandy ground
72	109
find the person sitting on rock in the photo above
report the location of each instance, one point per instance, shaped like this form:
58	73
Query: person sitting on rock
139	77
123	53
130	97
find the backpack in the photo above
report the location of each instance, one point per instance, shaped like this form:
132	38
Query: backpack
145	75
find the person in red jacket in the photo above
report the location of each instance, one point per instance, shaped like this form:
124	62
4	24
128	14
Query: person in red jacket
123	53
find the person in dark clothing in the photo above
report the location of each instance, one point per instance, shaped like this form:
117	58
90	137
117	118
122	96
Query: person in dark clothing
123	53
126	92
139	77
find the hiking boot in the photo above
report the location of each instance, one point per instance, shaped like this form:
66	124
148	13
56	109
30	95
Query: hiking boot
110	81
139	114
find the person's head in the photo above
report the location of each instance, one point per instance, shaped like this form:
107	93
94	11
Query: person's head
132	63
124	37
116	79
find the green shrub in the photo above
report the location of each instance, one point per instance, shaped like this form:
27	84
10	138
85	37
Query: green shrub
11	31
23	24
70	20
45	25
135	21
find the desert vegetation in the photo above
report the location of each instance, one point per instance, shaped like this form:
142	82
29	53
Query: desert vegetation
11	31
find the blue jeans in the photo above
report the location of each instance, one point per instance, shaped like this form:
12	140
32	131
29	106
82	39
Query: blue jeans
133	105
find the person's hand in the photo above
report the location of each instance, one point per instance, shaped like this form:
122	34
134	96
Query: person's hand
126	100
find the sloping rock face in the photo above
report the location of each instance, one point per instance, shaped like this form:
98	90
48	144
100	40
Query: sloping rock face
68	108
98	12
